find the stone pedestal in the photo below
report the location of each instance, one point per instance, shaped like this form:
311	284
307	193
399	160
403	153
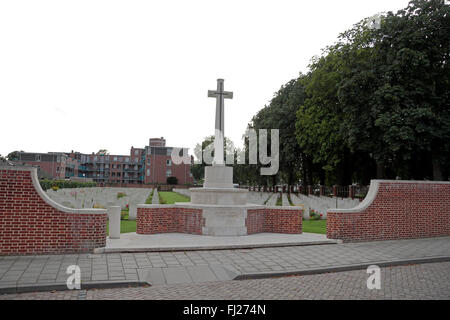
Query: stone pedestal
224	207
114	222
218	176
219	196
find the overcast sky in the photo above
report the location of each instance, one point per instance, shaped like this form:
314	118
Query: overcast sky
90	75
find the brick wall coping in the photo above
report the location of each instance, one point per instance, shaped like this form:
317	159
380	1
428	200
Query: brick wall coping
236	190
45	197
293	208
202	206
199	206
373	190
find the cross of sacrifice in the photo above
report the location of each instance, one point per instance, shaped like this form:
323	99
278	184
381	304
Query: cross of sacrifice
220	95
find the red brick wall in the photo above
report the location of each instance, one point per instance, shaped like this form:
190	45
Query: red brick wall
274	220
399	210
151	220
29	225
169	219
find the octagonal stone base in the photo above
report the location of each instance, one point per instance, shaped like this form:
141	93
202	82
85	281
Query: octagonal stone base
219	196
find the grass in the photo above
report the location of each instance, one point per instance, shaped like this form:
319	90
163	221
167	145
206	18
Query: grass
126	225
289	199
315	226
150	197
170	197
279	201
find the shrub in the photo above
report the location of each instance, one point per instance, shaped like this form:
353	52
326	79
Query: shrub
62	184
314	215
121	195
172	180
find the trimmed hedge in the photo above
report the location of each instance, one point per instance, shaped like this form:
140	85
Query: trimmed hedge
61	184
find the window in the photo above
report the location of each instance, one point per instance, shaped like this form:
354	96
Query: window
38	157
135	167
136	152
168	162
169	151
57	169
136	160
127	159
168	173
148	172
95	158
115	158
58	158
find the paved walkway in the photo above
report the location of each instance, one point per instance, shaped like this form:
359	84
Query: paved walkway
155	198
31	272
423	281
132	242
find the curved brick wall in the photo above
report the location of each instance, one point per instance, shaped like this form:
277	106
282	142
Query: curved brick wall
167	219
32	223
395	210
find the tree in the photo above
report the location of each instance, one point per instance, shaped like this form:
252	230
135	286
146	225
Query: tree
198	169
280	114
13	156
172	180
102	152
397	97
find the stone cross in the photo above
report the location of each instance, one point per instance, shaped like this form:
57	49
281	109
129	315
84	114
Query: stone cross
220	95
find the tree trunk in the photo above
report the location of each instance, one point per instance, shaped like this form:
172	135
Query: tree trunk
437	172
380	170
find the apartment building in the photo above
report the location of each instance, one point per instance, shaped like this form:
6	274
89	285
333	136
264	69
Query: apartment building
149	165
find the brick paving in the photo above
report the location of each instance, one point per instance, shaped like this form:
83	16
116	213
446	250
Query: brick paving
423	281
51	269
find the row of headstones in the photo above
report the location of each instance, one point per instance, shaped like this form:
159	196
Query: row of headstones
80	198
320	205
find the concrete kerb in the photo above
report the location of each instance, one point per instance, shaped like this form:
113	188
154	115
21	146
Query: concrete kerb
227	247
23	288
342	268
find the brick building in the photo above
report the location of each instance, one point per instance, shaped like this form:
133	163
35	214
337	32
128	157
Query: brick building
149	165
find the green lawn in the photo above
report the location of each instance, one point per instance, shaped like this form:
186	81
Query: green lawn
125	225
170	197
315	226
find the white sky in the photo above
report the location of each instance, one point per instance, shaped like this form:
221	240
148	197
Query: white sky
90	75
